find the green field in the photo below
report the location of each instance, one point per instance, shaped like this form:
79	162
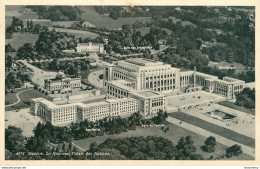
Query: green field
90	15
11	97
25	97
77	33
215	129
240	108
173	134
19	39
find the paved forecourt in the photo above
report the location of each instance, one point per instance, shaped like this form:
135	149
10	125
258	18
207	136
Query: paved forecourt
242	123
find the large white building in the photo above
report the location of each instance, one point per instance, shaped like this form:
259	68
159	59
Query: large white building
76	112
136	85
62	83
227	87
90	47
144	74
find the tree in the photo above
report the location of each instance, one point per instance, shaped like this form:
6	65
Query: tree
31	24
37	29
235	150
8	62
185	147
209	144
26	51
9	48
14	140
64	147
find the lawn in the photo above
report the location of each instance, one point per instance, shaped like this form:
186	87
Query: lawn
77	33
240	108
173	134
11	97
25	98
19	39
90	15
215	129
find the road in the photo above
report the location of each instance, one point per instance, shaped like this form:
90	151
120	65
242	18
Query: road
93	79
38	74
222	140
18	98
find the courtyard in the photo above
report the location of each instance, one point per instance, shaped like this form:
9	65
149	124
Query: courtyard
189	100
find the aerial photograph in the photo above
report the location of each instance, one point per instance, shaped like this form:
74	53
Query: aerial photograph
129	83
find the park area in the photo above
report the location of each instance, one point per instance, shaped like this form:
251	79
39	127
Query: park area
174	134
192	99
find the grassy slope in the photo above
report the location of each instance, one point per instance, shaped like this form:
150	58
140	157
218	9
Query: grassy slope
90	15
173	134
19	39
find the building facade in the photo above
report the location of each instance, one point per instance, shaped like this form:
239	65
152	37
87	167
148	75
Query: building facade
90	47
145	74
227	87
76	112
62	83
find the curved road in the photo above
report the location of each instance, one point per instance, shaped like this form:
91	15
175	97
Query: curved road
17	95
93	78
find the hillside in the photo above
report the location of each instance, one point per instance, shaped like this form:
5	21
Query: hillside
90	15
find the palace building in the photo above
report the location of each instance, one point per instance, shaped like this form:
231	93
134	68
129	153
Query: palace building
132	85
62	83
76	112
144	74
90	47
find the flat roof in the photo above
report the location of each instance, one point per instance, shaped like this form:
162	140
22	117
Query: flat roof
143	62
147	94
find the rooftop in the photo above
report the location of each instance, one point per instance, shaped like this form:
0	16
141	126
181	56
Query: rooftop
143	62
148	93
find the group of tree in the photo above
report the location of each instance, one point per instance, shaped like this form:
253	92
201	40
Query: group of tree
18	147
17	25
246	98
209	144
8	61
141	148
9	48
48	45
234	150
116	12
189	58
57	13
129	37
72	67
12	82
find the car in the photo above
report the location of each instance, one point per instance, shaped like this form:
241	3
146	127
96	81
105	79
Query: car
17	110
